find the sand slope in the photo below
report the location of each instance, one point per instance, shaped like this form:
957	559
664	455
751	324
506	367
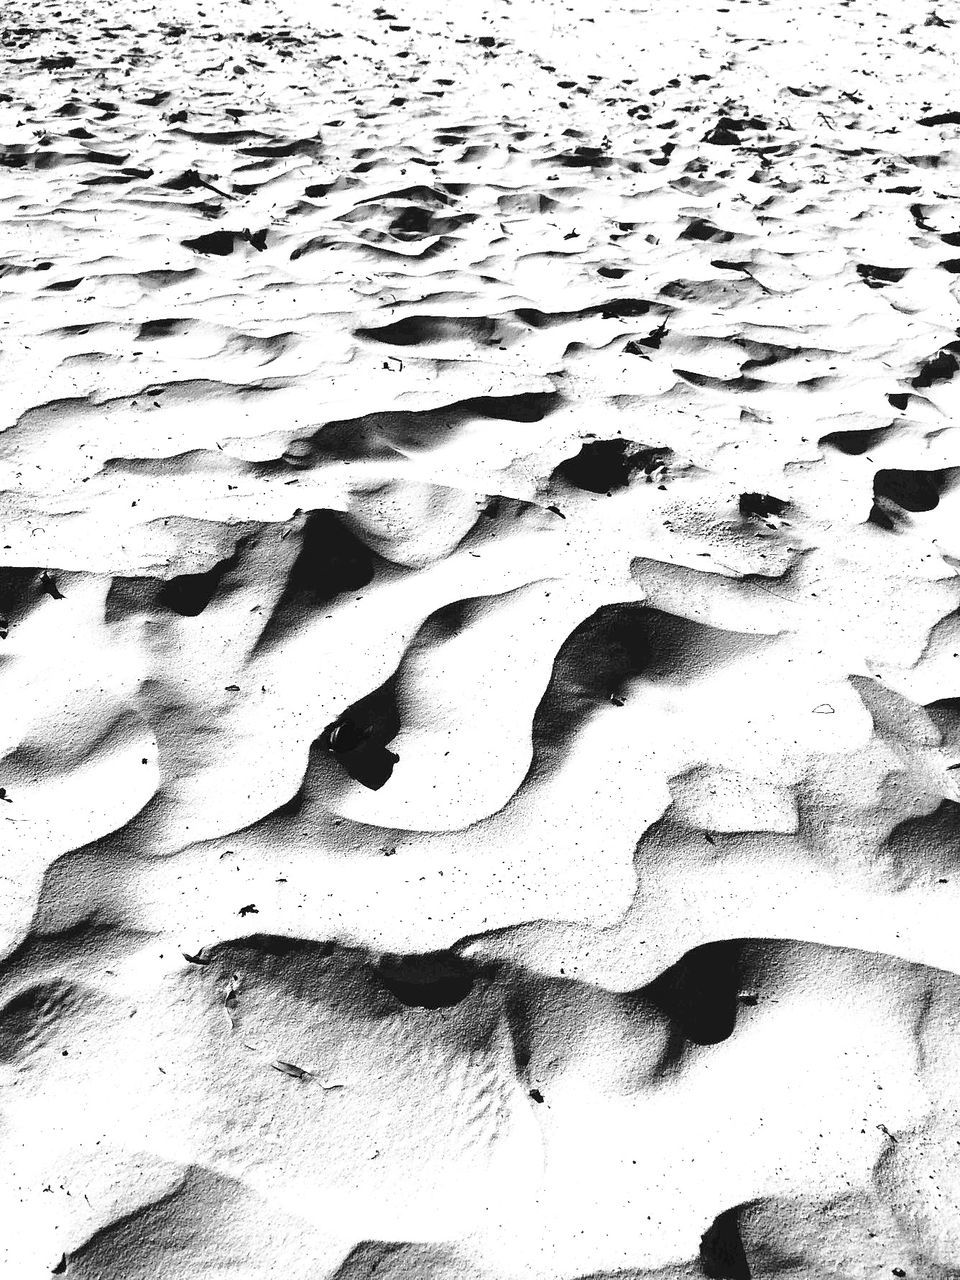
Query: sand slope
478	595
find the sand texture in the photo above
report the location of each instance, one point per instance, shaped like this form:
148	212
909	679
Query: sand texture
479	580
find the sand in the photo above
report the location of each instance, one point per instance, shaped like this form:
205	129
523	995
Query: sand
478	587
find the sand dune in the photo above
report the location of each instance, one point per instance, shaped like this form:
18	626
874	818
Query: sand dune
478	588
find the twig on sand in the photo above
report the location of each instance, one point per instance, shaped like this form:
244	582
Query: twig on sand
302	1073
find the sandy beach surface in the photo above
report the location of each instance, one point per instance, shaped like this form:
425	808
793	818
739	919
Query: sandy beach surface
479	579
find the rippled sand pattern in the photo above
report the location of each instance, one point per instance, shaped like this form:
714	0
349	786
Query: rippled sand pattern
479	548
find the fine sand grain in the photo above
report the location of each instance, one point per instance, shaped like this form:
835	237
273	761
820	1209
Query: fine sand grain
479	580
